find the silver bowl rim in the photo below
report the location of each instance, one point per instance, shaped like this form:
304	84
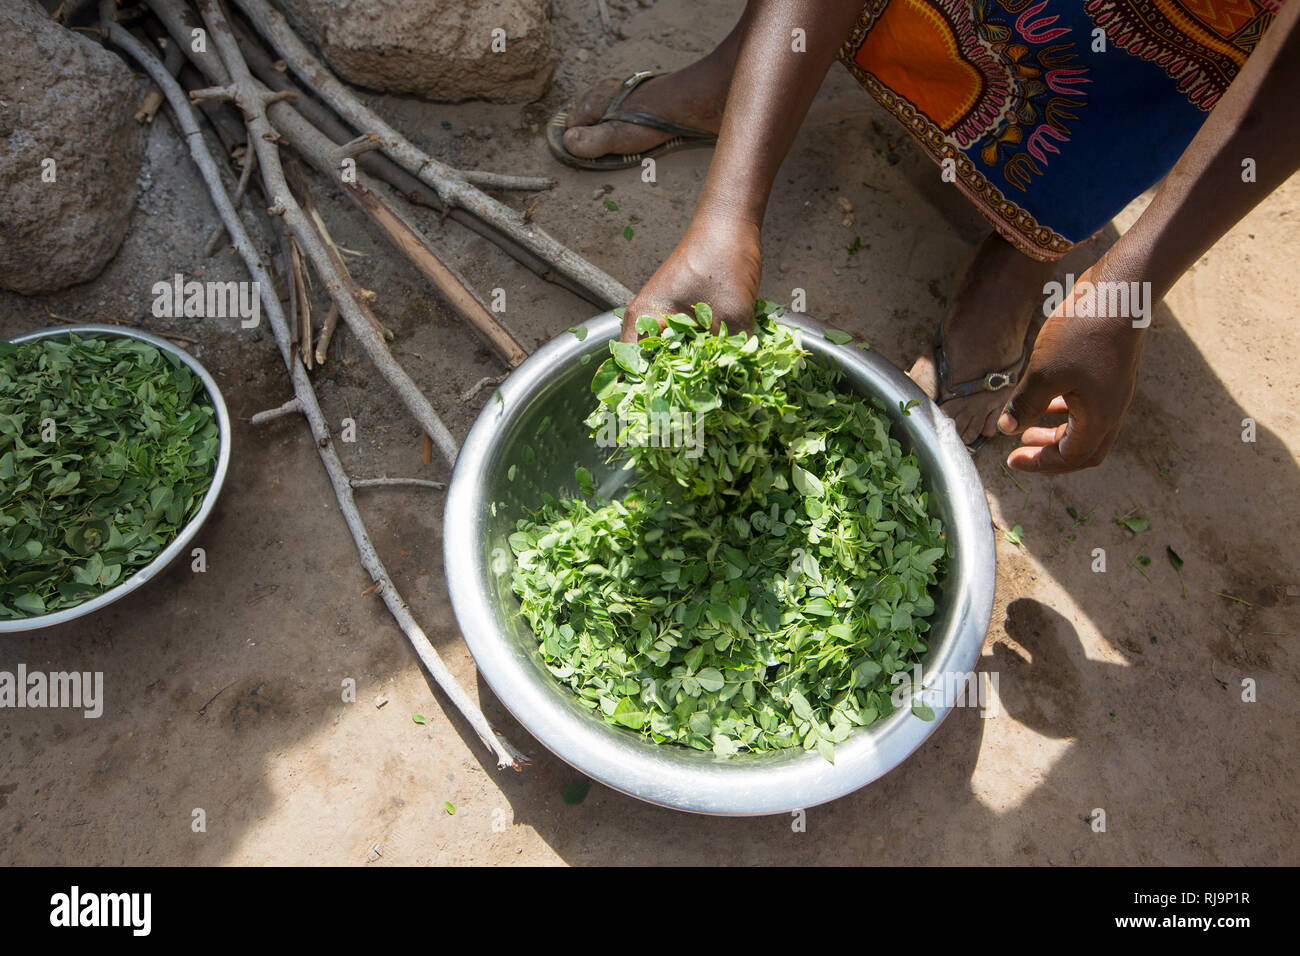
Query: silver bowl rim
722	788
160	562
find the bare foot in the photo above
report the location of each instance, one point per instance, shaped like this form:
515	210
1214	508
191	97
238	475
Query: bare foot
984	331
692	97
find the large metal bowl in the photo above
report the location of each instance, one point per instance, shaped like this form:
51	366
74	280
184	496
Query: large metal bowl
483	505
144	575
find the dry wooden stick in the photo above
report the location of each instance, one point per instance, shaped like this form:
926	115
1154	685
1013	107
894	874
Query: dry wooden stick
451	185
298	188
291	286
298	270
320	116
252	98
356	147
325	156
291	407
417	249
370	198
180	20
507	755
327	333
245	177
477	177
381	482
479	386
172	60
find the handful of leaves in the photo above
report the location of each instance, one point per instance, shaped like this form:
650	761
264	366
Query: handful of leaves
753	595
107	447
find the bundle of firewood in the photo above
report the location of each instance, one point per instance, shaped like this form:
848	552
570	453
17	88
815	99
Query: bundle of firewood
254	90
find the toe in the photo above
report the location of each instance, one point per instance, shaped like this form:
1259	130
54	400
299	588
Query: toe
592	141
968	424
991	422
971	416
588	141
591	107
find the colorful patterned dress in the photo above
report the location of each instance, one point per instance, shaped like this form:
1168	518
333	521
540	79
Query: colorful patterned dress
1054	113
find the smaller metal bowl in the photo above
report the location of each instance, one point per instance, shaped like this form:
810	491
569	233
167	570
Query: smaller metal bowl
155	567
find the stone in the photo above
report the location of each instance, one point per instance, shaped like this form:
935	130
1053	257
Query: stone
437	49
70	152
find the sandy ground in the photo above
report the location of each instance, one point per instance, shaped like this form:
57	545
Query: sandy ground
224	688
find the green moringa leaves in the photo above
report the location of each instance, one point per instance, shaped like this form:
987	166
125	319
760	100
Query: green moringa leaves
107	448
756	590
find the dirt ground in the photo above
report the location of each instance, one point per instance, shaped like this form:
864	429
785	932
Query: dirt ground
223	688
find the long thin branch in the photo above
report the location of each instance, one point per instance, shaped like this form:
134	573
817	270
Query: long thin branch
297	184
292	407
383	482
449	183
417	249
370	198
172	59
317	149
245	177
179	20
298	275
252	98
507	755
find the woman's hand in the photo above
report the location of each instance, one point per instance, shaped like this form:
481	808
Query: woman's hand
1082	365
1088	366
718	261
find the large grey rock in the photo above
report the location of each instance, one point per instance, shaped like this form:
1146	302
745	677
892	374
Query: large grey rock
437	49
62	98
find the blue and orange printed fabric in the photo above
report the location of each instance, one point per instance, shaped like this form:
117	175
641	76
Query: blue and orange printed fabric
1053	114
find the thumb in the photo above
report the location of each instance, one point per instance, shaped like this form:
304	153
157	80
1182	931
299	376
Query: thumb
1028	403
628	332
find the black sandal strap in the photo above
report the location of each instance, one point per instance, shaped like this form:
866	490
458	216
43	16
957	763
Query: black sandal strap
992	382
657	122
614	112
625	89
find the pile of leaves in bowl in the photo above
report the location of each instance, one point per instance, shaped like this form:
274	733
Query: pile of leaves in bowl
752	594
107	447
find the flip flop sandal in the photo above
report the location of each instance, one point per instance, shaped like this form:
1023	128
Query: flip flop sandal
684	137
992	382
